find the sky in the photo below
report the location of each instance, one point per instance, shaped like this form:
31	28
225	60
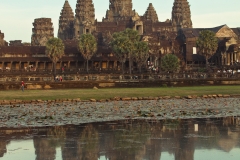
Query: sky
17	16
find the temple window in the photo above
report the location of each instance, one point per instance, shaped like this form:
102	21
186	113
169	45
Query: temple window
194	50
139	28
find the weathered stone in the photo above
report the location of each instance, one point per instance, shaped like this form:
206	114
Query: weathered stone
77	100
214	96
194	96
134	98
117	98
145	98
93	100
226	95
84	18
126	98
189	97
151	14
42	31
177	97
151	98
210	96
66	23
181	15
205	96
119	9
2	41
102	100
166	97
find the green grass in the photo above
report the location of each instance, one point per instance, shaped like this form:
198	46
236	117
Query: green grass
107	93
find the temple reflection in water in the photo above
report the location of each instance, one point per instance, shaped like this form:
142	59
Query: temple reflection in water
126	140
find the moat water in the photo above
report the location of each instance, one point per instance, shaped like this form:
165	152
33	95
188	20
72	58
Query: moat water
193	139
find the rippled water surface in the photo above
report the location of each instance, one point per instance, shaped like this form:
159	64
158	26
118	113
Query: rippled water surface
194	139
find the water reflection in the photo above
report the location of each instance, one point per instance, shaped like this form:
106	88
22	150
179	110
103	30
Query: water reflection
126	140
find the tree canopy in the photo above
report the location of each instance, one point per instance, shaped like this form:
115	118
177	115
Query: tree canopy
169	63
207	44
87	45
119	47
140	53
123	45
54	50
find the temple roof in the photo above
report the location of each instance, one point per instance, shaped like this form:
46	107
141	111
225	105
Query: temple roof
151	13
194	32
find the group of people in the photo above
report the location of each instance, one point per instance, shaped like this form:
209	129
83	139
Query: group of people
58	78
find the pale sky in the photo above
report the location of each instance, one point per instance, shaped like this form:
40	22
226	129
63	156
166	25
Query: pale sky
17	16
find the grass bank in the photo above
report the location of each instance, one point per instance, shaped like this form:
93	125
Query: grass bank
107	93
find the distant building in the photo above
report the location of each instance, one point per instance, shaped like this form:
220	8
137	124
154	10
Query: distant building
174	35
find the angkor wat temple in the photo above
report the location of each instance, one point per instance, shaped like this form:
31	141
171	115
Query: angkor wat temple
175	35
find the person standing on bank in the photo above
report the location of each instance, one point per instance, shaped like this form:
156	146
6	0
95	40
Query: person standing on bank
22	86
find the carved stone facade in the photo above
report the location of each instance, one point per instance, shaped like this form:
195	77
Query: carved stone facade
181	15
119	10
151	14
228	52
84	18
42	31
174	35
66	22
16	43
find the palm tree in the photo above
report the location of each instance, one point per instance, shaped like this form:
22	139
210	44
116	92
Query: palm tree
55	51
87	45
119	46
140	55
207	44
123	45
133	37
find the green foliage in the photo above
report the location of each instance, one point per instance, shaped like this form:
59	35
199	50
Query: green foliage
140	55
169	63
201	69
164	85
107	93
119	46
123	45
87	45
54	49
207	44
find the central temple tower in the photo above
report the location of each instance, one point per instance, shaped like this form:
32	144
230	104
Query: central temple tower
181	15
119	10
84	17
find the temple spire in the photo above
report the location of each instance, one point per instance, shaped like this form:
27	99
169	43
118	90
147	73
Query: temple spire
151	14
119	9
84	17
66	19
181	15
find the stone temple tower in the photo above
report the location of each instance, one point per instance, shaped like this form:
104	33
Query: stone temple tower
181	15
119	9
151	14
66	21
2	42
84	18
42	31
